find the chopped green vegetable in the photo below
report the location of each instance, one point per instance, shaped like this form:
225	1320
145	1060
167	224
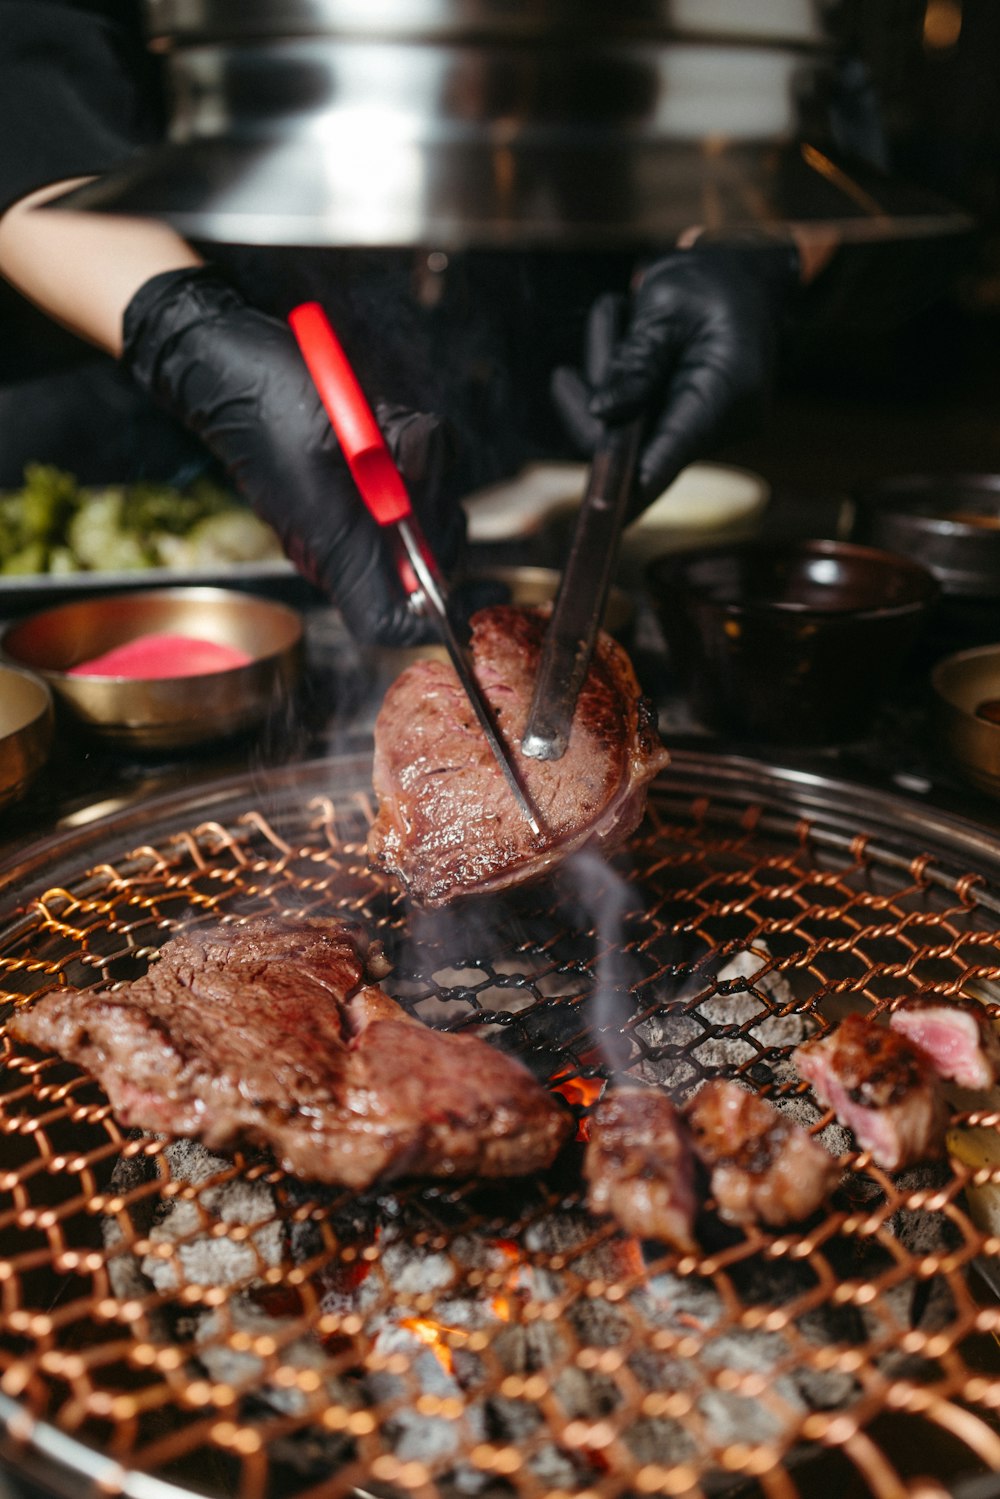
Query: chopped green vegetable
53	524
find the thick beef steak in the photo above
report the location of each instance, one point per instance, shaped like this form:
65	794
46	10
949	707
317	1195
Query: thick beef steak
447	823
269	1033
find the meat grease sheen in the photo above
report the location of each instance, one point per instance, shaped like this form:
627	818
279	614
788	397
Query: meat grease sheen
271	1033
447	824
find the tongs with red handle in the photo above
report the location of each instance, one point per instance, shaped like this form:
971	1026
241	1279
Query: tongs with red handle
384	492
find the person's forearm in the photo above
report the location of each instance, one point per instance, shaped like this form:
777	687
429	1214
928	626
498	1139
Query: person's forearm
84	268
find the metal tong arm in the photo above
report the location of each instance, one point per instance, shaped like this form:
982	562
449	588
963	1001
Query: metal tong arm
583	594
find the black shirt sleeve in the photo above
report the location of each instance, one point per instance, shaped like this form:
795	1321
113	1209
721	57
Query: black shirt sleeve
78	91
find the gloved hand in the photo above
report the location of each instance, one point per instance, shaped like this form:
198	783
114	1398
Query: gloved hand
236	378
697	357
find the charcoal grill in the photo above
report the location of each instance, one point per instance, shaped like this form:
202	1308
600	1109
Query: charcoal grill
173	1322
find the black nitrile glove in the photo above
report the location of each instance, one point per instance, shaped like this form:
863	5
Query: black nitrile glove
236	378
696	360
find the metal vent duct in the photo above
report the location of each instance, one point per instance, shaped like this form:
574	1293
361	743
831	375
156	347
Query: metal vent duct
456	123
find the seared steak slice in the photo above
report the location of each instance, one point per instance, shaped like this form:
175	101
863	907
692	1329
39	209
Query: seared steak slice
268	1034
958	1036
639	1166
764	1167
447	824
880	1086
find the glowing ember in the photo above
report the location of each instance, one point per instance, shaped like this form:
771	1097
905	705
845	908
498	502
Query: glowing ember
580	1093
434	1335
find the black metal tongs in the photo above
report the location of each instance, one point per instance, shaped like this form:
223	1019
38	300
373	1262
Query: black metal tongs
580	603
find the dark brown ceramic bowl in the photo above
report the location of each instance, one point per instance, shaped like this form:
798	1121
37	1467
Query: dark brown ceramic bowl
796	642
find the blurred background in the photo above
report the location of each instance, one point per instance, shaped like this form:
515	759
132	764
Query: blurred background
872	386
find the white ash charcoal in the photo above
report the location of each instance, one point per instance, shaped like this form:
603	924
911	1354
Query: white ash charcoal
183	1224
656	1440
678	1302
199	1257
411	1435
689	1305
725	1031
241	1368
557	1470
796	1389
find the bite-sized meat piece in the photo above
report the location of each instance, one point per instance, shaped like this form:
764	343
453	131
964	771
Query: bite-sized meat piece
268	1034
764	1167
958	1036
447	823
880	1086
639	1166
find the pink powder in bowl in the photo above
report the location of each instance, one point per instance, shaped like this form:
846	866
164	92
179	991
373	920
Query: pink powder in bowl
150	656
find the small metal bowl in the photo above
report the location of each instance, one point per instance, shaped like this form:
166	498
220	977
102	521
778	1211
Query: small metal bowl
950	523
162	713
961	683
796	642
26	723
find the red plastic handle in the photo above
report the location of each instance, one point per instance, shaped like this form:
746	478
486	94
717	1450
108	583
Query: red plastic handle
368	457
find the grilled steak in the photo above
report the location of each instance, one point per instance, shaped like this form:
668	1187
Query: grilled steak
269	1034
764	1167
880	1086
447	823
639	1166
956	1034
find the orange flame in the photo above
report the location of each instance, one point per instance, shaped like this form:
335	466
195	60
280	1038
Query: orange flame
580	1093
434	1335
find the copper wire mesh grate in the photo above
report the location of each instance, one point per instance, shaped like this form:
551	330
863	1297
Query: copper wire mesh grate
172	1317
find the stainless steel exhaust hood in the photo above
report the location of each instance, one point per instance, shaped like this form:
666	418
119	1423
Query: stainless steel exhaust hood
456	123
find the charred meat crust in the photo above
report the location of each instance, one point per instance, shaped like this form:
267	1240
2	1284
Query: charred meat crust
639	1166
880	1086
764	1166
447	825
268	1034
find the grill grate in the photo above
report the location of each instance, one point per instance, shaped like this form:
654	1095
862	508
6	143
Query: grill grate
174	1321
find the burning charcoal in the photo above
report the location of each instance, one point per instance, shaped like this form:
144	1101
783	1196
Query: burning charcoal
764	1167
424	1345
272	1033
221	1341
640	1168
748	1017
907	1304
186	1222
879	1085
956	1034
447	825
217	1340
693	1311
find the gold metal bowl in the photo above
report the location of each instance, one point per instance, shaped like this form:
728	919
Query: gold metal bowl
962	683
26	722
163	712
